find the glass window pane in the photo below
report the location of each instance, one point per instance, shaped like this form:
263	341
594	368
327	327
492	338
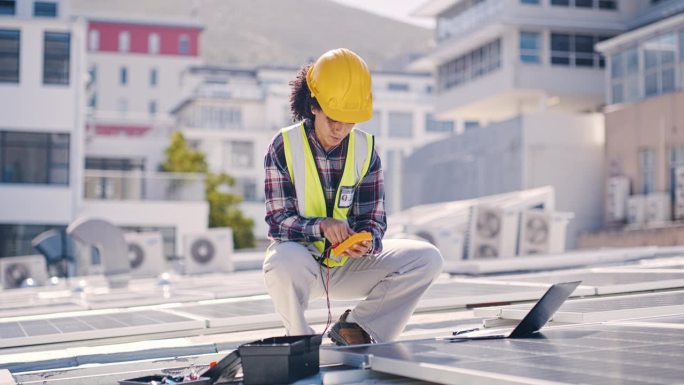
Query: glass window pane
564	3
651	84
632	61
9	56
668	80
608	4
584	43
560	42
529	40
616	66
44	9
584	3
650	58
8	7
56	58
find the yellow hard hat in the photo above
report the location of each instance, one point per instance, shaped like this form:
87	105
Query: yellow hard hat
341	83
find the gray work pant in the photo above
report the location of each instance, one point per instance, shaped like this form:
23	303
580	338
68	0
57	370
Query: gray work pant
391	283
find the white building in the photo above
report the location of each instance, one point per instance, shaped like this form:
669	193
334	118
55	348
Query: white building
48	137
42	64
530	65
234	113
136	67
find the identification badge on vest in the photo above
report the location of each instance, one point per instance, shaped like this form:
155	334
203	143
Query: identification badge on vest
346	197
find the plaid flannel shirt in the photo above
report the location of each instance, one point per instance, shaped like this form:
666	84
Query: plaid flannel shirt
367	212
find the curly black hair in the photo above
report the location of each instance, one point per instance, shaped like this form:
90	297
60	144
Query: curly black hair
301	100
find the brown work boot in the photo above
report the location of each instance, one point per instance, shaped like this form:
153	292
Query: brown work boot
348	333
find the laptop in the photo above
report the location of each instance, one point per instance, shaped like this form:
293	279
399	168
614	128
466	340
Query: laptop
534	320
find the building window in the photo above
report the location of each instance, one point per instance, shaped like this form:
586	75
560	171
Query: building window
30	157
92	101
247	188
373	125
184	45
434	125
476	63
153	77
152	107
153	43
402	87
400	124
8	7
124	41
624	76
597	4
530	47
94	40
659	64
16	239
123	76
220	117
56	56
647	169
9	56
471	125
241	154
576	50
534	2
44	9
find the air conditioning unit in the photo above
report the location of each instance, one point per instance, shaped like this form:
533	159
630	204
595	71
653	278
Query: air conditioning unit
493	232
209	252
448	240
542	232
15	272
617	191
657	208
146	254
678	186
636	210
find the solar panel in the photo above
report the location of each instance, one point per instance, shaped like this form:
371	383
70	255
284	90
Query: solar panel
601	309
596	354
607	281
124	298
84	327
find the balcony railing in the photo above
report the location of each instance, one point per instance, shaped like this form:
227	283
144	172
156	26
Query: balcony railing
474	16
139	185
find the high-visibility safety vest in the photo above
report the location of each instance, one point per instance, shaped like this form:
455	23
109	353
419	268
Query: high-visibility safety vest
304	173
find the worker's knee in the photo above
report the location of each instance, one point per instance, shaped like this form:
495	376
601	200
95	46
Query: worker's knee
285	260
431	259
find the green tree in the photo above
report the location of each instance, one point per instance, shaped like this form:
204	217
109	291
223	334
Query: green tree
223	211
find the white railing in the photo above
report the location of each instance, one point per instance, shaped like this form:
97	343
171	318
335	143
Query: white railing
473	17
139	185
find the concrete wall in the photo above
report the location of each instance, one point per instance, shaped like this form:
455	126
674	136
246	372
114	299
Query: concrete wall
479	162
566	152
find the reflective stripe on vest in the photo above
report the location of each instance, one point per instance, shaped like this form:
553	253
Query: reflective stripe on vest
303	172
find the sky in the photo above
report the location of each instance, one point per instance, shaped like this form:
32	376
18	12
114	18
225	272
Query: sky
396	9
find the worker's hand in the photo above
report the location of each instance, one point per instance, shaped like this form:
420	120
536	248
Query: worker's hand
358	250
335	230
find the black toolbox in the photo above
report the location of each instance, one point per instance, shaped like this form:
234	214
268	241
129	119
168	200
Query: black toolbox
280	360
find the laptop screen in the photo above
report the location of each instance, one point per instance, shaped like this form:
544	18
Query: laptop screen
544	309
